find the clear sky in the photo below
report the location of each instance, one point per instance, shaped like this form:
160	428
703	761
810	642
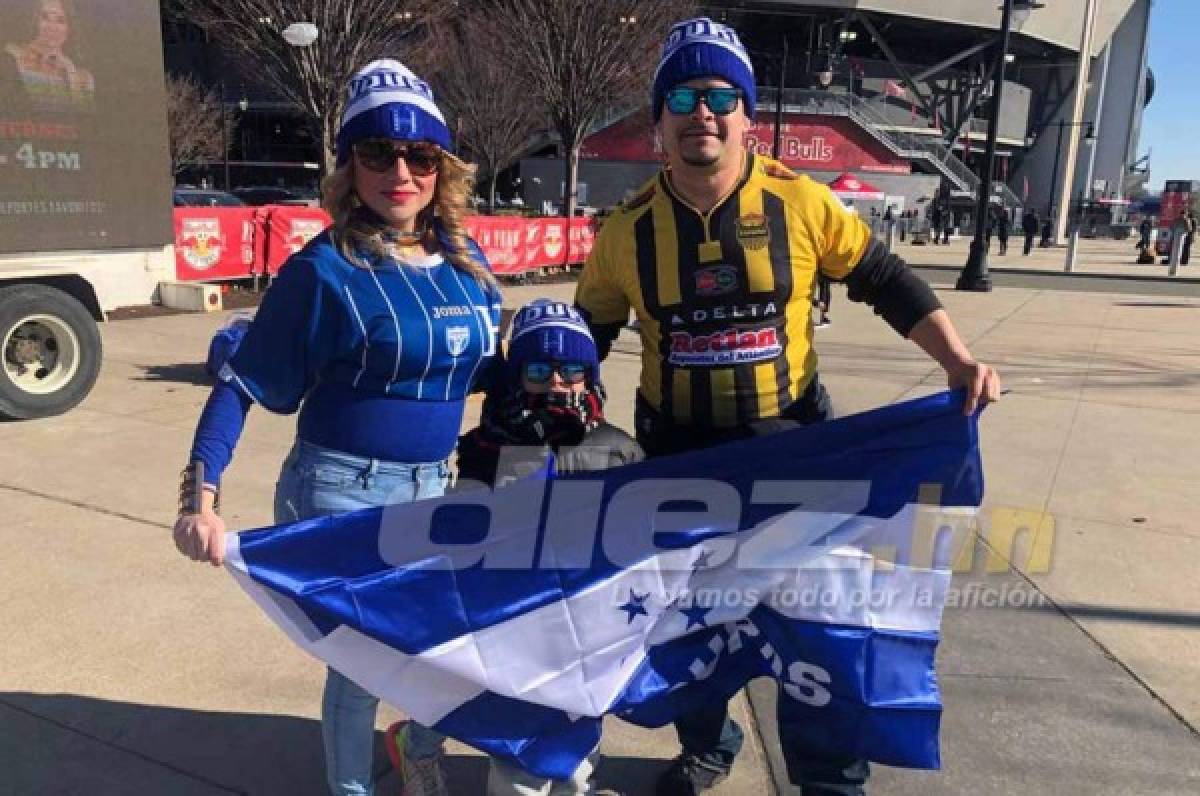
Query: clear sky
1171	129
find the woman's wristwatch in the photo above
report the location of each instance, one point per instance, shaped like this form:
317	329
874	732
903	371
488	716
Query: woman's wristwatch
192	489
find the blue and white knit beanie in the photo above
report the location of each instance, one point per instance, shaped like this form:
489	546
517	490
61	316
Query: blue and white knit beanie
702	48
386	100
546	330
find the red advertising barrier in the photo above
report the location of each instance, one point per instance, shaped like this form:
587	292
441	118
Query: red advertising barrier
502	239
213	243
218	243
287	230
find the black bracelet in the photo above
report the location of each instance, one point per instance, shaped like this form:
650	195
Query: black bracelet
192	487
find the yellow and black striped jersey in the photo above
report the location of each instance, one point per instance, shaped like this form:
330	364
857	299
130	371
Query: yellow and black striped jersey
723	298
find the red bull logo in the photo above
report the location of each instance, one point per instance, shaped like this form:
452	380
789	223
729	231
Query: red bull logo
202	242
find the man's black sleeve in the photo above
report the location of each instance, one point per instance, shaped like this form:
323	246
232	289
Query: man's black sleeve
886	283
603	333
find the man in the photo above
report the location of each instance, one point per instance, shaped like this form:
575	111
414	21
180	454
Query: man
1029	225
1002	224
1047	229
1187	228
718	256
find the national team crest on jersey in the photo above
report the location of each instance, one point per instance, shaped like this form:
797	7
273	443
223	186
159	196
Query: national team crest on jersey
457	338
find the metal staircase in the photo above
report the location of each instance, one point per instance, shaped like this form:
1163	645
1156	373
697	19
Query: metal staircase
927	149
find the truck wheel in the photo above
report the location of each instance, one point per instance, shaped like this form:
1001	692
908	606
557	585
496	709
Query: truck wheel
50	352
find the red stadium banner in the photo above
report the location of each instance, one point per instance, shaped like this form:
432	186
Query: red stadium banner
215	243
212	244
502	239
288	230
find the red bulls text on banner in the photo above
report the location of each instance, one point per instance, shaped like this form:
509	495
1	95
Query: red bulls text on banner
288	230
214	243
807	143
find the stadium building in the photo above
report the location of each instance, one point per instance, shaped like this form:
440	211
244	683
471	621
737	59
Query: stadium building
898	94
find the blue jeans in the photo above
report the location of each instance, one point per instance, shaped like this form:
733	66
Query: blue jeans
316	481
709	733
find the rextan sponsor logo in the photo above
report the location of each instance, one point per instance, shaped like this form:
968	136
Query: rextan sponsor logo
728	347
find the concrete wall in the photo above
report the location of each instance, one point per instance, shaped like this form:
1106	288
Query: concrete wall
608	182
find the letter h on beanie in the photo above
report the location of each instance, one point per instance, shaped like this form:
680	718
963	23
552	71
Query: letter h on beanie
544	331
386	100
702	48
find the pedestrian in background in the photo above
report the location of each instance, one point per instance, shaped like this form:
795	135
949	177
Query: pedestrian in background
1029	225
1187	228
1047	229
1002	224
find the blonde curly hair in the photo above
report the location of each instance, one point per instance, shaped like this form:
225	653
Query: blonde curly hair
355	233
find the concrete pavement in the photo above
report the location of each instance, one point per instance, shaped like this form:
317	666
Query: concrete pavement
127	670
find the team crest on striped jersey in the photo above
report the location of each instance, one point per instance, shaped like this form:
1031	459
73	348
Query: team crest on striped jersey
457	338
753	231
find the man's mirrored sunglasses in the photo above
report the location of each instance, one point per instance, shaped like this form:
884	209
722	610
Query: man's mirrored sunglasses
721	101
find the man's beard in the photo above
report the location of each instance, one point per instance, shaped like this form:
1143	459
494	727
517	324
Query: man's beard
701	160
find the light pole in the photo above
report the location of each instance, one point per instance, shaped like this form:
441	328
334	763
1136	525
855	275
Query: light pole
974	275
1090	135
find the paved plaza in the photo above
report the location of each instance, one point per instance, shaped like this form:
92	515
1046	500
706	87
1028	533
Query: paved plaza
126	669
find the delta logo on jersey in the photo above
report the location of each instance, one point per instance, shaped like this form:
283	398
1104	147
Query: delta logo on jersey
201	241
727	347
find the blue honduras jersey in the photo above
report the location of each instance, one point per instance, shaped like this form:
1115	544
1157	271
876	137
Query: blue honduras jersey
424	332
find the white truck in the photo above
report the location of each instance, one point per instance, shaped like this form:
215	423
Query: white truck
85	189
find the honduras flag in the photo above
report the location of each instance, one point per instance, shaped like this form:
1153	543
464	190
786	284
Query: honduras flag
514	620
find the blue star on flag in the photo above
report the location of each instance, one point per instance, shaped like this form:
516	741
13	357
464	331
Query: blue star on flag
635	606
695	614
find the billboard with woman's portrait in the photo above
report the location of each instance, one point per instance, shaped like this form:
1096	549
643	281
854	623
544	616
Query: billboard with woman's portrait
83	140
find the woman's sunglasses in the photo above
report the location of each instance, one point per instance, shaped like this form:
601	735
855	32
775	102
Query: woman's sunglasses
380	155
721	101
540	372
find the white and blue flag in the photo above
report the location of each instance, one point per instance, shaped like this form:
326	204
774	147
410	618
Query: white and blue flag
514	620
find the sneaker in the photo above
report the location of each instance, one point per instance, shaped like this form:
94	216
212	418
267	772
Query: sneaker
823	323
688	775
420	776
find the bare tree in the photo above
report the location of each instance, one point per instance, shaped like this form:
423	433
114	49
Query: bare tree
351	33
583	57
194	123
490	102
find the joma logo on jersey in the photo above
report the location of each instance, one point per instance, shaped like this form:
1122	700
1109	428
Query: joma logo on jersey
728	347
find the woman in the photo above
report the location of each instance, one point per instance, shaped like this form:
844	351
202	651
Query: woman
549	401
52	81
376	331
